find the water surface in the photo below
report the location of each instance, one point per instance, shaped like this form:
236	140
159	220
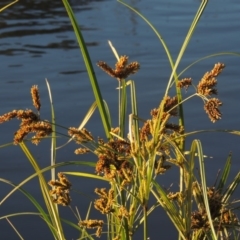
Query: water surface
37	42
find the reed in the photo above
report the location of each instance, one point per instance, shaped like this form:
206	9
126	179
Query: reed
132	157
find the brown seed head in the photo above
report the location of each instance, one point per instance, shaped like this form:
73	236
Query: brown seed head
208	82
60	192
174	127
41	128
80	136
184	83
122	70
121	63
81	151
105	202
171	105
91	223
27	116
145	131
8	116
211	108
122	212
106	68
35	97
19	135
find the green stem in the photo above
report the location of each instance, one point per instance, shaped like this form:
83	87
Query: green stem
90	70
145	228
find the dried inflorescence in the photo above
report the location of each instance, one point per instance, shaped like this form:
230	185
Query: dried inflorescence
223	217
80	136
169	110
228	217
184	83
35	97
40	128
177	196
207	87
105	203
81	151
122	212
122	69
27	116
174	127
93	224
160	165
208	83
199	221
169	107
212	109
145	131
215	201
113	159
115	130
60	192
30	121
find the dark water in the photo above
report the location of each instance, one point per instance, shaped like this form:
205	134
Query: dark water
37	42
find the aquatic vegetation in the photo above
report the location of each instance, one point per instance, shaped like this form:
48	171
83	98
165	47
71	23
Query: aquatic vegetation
132	157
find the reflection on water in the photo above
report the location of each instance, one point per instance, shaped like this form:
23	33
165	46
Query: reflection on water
38	19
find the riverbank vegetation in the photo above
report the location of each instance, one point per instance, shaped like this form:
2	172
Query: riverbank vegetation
132	157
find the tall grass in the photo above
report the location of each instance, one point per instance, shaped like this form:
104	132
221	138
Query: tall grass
133	157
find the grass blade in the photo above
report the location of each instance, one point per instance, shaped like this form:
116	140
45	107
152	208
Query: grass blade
8	5
225	174
52	208
35	203
204	185
169	208
231	189
53	139
89	164
90	70
14	228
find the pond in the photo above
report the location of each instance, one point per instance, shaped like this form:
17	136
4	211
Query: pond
37	43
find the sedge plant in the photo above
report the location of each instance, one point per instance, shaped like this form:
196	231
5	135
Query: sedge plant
132	156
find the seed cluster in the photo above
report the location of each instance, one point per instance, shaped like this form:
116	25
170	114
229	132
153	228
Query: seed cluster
116	157
184	83
60	192
93	224
113	159
207	87
222	215
80	136
105	203
30	121
122	68
208	82
36	97
212	109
